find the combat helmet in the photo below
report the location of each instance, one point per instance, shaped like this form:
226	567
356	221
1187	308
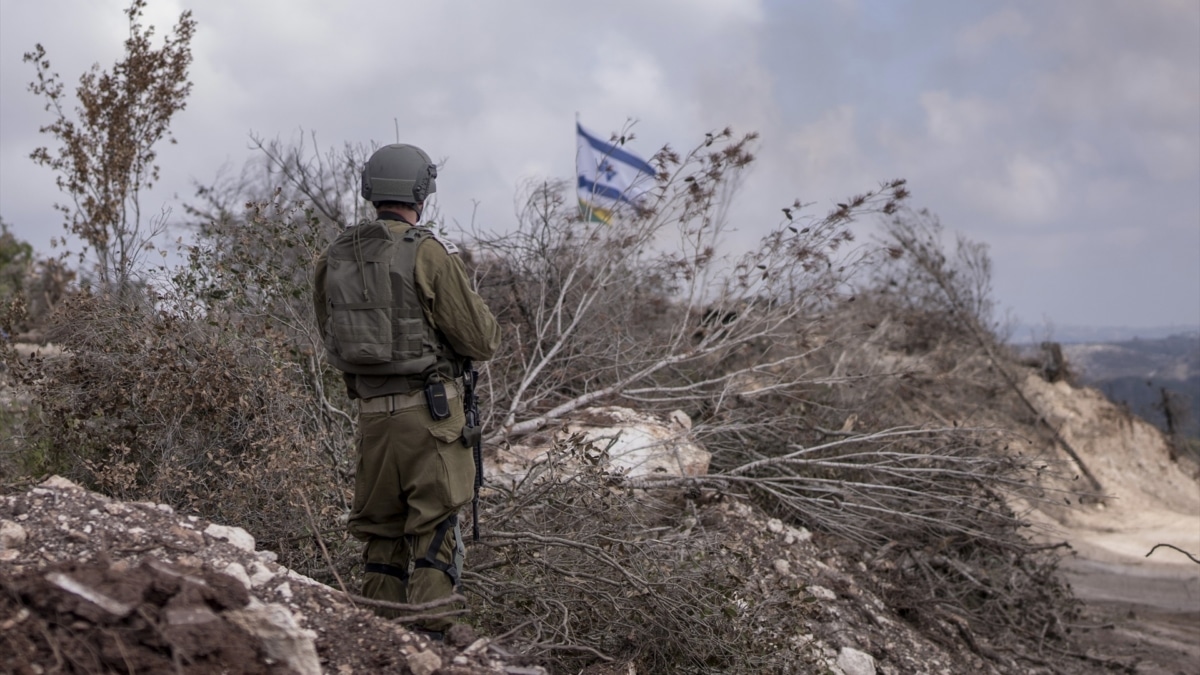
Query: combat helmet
399	173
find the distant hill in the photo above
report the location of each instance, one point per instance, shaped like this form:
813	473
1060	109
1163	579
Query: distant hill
1025	333
1146	374
1176	357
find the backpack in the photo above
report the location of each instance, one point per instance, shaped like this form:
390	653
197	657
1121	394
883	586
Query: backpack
375	323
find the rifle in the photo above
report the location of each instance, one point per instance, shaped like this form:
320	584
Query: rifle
473	437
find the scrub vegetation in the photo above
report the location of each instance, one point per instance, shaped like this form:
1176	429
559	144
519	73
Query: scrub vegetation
852	386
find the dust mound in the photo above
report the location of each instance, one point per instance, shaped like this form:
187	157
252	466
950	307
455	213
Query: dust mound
92	585
150	618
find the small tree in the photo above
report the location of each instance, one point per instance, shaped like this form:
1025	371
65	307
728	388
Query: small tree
106	157
16	258
30	287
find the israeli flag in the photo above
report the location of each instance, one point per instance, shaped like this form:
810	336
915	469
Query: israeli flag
609	176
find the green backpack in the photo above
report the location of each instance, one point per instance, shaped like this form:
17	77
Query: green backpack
375	324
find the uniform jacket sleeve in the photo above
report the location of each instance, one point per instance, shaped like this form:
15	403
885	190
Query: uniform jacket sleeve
453	306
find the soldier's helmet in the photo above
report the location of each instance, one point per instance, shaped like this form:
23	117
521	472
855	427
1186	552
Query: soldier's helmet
399	173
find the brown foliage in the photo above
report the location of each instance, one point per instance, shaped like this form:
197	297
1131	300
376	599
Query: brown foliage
106	158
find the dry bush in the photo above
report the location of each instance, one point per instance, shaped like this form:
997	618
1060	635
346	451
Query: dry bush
577	568
297	173
207	394
30	288
854	390
644	310
932	509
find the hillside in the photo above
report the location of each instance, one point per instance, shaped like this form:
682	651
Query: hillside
1175	357
100	584
1151	497
1148	376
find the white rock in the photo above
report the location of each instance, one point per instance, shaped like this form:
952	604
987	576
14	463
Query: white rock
782	567
234	535
12	535
187	616
238	572
821	593
741	509
281	637
110	605
259	575
268	556
638	444
477	646
424	663
854	662
681	418
775	525
284	590
59	483
293	574
796	534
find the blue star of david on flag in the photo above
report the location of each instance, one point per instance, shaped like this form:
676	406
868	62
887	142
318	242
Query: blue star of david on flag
609	176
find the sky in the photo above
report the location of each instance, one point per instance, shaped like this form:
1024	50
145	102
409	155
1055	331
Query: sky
1064	135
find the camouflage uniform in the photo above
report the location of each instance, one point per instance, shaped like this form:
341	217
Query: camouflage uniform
413	472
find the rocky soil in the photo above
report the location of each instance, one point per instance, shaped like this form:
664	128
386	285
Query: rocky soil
91	585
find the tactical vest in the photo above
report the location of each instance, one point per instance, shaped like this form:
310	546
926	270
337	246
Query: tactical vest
376	325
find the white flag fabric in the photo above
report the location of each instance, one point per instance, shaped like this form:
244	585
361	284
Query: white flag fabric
609	176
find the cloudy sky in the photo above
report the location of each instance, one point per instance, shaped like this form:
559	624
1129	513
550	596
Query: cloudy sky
1065	135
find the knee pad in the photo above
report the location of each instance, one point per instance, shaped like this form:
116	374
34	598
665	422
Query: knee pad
452	569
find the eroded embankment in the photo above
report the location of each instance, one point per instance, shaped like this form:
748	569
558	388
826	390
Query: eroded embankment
1146	607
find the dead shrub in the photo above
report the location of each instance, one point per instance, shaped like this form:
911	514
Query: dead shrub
207	395
576	568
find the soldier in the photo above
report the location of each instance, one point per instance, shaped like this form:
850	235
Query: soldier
399	318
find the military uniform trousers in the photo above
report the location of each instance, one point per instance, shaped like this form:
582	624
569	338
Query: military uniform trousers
413	475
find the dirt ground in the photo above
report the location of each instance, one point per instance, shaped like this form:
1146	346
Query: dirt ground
90	585
1143	612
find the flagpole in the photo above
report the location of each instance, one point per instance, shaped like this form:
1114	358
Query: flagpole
578	201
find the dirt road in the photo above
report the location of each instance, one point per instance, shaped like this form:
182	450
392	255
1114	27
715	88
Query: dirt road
1145	612
1148	609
